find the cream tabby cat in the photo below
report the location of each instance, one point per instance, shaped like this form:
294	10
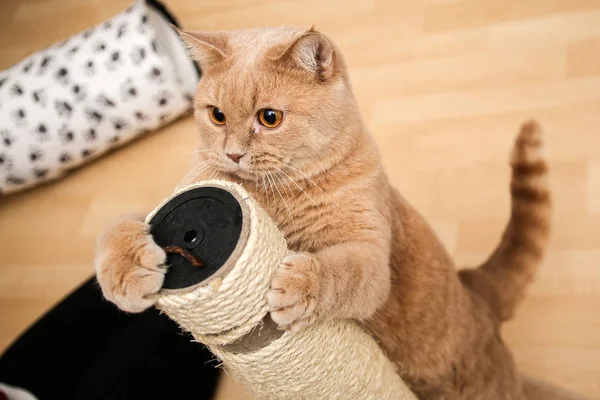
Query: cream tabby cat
277	114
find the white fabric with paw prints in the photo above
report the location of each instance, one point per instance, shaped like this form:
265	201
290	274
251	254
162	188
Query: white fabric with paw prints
67	104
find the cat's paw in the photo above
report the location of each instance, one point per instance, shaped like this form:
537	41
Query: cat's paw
294	293
130	267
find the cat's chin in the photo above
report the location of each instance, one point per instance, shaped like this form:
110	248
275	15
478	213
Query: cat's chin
243	175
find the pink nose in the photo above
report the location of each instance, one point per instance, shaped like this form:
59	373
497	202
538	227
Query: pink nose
235	157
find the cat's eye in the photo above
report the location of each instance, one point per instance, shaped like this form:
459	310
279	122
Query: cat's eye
216	115
270	118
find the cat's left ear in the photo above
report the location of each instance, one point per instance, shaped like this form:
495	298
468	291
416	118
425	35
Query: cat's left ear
312	52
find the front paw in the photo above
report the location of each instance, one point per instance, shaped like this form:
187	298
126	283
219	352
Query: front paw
294	292
130	267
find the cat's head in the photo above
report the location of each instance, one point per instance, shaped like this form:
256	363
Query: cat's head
270	99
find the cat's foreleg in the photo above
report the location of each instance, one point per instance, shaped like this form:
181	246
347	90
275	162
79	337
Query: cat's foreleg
349	280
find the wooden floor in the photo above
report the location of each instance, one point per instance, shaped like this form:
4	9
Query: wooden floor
442	84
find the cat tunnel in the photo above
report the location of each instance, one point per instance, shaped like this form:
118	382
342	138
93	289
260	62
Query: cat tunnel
67	104
222	251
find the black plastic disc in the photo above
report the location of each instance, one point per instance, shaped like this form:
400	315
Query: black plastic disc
205	221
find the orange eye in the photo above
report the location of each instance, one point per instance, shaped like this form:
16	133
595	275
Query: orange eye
216	115
270	118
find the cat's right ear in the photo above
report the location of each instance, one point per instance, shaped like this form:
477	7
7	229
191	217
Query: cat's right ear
206	48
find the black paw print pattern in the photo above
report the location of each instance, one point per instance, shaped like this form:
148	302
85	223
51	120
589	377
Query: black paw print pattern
155	75
87	34
44	63
65	157
128	91
119	124
79	91
59	101
121	30
71	52
99	47
90	135
138	55
62	75
66	134
142	26
63	108
162	99
139	116
14	180
114	60
89	68
6	138
35	154
154	45
94	116
105	101
39	97
41	132
27	67
19	116
87	152
40	173
6	162
17	90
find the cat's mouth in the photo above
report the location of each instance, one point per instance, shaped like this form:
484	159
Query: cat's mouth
255	168
243	170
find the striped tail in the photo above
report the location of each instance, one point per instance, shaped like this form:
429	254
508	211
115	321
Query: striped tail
505	276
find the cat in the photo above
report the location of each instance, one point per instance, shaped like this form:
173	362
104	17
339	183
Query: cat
276	113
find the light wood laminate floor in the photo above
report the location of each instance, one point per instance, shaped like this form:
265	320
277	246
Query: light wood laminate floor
443	86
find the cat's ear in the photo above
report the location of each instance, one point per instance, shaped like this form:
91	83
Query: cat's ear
312	52
207	48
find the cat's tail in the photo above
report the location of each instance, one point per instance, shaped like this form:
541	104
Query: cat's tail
504	277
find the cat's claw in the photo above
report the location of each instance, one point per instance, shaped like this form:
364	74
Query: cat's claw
130	267
294	293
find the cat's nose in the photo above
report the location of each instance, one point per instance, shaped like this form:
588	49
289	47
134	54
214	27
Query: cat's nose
235	157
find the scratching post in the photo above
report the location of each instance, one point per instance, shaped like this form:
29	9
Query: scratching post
223	303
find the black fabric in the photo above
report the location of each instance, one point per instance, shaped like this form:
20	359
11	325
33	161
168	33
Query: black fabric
85	348
161	8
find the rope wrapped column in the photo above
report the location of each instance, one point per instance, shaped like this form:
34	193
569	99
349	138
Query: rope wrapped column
227	311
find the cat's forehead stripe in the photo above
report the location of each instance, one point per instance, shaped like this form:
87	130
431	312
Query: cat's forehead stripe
250	45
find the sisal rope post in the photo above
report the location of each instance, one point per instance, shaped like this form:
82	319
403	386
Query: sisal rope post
228	312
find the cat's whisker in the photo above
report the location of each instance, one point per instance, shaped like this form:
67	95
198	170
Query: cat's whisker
270	185
201	164
303	191
308	178
281	179
198	152
266	192
193	178
193	171
272	177
199	170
